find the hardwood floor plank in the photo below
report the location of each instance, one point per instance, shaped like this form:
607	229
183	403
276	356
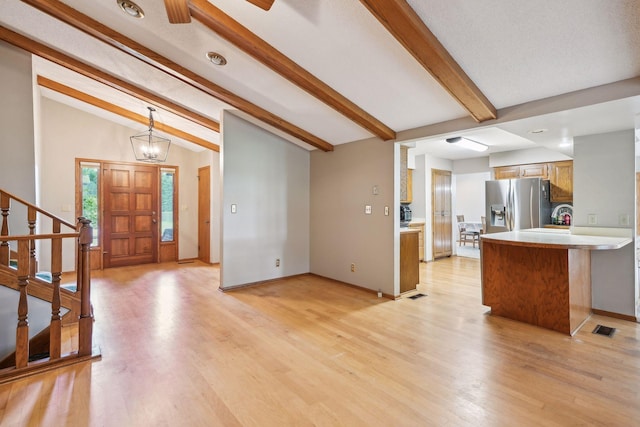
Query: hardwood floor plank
309	351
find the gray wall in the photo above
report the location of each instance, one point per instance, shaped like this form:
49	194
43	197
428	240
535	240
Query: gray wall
604	184
267	178
17	163
342	184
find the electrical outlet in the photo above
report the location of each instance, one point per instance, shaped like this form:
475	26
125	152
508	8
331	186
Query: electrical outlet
592	219
379	293
367	210
277	262
375	190
353	268
623	220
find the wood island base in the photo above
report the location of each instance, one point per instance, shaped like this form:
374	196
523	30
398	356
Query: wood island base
543	286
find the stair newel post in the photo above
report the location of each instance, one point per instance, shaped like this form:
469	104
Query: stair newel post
5	203
55	331
85	324
31	214
79	258
22	331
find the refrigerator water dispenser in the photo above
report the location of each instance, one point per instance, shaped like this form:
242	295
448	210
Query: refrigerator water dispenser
498	215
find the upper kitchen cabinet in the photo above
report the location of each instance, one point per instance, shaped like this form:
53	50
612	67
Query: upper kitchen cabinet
560	175
507	172
562	181
406	185
534	170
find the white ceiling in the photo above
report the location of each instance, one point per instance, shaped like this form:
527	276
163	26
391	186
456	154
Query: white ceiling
515	52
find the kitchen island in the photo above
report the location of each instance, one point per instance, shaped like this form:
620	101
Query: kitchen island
542	276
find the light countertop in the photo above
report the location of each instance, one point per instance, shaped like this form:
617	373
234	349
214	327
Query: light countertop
409	230
558	239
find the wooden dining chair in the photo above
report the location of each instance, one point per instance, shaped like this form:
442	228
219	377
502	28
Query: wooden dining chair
466	235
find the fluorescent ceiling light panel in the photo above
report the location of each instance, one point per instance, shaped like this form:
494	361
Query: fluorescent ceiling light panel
469	144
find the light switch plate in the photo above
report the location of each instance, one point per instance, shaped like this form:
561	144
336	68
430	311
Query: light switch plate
367	209
234	208
386	210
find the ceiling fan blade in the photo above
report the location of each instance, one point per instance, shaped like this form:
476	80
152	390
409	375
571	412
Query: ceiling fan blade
178	11
262	4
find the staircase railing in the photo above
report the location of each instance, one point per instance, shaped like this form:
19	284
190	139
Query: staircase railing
21	272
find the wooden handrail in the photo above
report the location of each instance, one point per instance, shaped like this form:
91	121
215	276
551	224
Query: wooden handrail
47	236
42	211
25	272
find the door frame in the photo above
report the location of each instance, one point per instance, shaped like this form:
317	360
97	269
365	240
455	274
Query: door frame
97	252
204	214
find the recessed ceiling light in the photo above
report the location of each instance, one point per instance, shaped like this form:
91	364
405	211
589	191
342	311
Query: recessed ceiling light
538	130
216	58
131	9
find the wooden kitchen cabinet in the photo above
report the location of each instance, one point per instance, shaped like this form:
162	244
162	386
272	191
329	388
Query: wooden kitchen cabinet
409	264
562	181
507	172
419	226
406	183
533	170
560	175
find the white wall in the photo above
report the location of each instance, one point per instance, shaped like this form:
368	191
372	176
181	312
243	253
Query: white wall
17	162
342	184
532	155
469	195
267	178
604	184
68	133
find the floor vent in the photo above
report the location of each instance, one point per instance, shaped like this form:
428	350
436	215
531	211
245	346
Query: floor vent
604	330
416	296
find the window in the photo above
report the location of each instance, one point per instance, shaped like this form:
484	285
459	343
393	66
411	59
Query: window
167	204
89	176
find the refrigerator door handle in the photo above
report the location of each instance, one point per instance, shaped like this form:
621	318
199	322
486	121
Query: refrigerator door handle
510	206
531	206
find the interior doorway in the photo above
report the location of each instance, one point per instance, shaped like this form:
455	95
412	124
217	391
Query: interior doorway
204	214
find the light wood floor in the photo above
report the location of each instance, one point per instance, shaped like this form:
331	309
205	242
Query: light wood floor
307	351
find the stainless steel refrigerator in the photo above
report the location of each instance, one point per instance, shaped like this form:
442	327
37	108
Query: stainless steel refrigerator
516	204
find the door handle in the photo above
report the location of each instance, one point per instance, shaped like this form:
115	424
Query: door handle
155	221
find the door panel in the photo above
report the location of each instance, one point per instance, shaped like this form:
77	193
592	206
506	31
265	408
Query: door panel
441	213
204	214
130	212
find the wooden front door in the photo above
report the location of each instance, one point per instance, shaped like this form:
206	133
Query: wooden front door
204	214
441	212
130	214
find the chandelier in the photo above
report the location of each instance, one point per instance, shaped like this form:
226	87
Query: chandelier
148	147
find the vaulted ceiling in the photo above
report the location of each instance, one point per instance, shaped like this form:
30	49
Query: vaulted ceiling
327	72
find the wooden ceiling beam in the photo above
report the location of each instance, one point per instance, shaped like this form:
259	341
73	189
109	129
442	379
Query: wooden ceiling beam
178	11
262	4
123	112
107	35
73	64
228	28
409	29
